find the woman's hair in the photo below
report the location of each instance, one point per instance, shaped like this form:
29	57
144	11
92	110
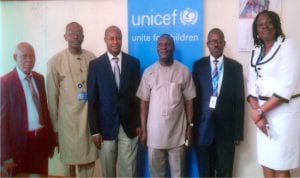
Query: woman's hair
275	20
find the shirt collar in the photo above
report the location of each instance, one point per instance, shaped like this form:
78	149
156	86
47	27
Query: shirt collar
110	56
21	74
220	59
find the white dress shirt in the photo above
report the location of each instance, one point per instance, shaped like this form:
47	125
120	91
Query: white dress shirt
32	112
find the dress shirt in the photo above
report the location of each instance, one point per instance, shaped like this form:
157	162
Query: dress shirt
220	69
113	63
32	113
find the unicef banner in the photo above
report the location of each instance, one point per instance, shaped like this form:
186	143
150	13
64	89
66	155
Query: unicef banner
147	20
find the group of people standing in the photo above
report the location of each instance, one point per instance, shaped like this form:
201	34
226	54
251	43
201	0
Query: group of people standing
104	107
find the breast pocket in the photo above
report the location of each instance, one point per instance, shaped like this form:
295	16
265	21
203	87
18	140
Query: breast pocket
175	93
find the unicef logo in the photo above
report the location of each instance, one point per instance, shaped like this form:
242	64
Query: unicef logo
188	16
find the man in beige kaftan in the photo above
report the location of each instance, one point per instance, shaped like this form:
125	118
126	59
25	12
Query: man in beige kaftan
66	86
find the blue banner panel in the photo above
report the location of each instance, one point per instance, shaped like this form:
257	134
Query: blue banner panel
147	20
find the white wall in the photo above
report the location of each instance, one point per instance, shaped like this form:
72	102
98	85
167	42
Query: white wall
42	23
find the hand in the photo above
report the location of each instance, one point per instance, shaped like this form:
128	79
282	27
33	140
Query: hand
138	131
255	116
51	153
237	143
189	135
9	166
56	142
97	139
262	124
56	138
143	137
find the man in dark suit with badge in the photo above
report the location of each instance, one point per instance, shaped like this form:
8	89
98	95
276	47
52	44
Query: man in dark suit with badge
219	108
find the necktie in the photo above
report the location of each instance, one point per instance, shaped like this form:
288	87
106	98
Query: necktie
35	96
117	72
215	78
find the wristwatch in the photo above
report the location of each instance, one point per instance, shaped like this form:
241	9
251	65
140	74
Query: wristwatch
191	124
259	111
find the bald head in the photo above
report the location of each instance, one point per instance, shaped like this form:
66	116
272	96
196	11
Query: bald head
72	24
216	31
23	45
112	28
25	57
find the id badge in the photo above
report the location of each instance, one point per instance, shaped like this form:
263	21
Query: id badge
213	102
83	96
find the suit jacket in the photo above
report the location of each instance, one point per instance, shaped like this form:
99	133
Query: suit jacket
14	119
109	107
225	123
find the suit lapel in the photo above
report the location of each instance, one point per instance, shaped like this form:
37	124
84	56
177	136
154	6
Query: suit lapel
124	71
207	72
38	83
19	91
18	86
225	76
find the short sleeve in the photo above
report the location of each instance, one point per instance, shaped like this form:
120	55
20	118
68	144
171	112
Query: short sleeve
144	89
189	91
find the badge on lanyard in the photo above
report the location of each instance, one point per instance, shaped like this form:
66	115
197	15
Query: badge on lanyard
213	102
83	96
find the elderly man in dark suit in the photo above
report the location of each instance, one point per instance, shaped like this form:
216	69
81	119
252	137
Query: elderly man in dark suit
113	79
219	108
27	137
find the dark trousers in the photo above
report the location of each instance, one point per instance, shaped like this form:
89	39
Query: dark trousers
215	160
36	159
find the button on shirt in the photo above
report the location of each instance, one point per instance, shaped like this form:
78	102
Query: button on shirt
220	69
166	87
32	113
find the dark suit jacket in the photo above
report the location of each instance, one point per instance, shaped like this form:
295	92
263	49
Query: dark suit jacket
14	121
109	107
225	123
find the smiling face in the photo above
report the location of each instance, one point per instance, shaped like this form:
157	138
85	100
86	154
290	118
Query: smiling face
25	57
165	49
215	43
113	40
265	28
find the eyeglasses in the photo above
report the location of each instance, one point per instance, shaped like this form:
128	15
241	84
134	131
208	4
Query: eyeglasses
79	34
214	42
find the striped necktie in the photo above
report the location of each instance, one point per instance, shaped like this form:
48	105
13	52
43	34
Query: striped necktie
215	78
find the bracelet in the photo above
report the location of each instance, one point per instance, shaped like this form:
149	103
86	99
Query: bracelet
259	111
